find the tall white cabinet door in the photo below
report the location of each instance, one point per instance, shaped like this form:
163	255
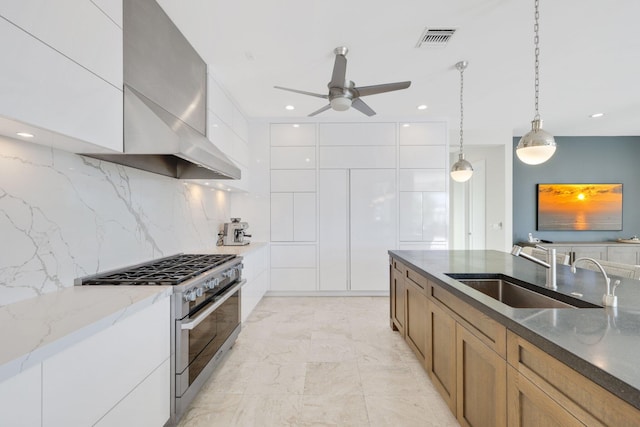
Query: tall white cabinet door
304	217
281	217
373	227
334	229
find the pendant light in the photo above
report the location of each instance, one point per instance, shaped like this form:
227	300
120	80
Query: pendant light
537	146
461	170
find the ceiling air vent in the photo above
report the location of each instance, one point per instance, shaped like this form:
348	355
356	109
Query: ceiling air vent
435	37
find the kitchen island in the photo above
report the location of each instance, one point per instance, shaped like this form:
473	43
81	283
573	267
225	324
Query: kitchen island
499	365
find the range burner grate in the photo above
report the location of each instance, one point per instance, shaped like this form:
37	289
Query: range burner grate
166	271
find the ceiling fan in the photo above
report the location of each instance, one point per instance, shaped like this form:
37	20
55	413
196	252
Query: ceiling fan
344	93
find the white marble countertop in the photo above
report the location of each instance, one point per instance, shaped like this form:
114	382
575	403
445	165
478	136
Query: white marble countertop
236	250
35	329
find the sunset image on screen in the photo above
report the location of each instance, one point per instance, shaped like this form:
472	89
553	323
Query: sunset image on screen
579	206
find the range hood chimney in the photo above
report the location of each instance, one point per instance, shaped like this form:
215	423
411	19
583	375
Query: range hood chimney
165	91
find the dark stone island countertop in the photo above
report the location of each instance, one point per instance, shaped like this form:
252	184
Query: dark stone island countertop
603	344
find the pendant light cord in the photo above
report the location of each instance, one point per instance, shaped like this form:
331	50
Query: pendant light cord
536	41
461	68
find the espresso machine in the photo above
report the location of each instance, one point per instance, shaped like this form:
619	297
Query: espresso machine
234	233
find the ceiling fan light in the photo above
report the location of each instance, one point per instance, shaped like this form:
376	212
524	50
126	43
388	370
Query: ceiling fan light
536	146
340	103
461	170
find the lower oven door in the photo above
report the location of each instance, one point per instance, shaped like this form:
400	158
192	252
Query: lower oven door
200	339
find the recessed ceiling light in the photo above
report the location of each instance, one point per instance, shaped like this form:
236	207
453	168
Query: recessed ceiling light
25	134
405	125
422	107
296	126
596	115
289	107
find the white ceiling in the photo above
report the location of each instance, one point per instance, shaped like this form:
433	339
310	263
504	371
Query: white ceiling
589	58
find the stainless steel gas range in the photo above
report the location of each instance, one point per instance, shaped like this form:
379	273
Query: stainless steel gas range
205	308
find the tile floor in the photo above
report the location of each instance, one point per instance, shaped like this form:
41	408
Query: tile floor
319	361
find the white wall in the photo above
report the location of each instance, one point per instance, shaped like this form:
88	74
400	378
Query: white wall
64	216
495	149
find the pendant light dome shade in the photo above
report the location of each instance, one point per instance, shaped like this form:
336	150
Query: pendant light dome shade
536	146
461	170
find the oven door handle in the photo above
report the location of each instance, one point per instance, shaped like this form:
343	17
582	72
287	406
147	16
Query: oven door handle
195	322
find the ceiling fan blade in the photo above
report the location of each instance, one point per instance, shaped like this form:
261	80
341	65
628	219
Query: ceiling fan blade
339	71
325	108
386	87
360	105
317	95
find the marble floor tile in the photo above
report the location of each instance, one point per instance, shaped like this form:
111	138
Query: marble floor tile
319	361
330	410
332	378
277	378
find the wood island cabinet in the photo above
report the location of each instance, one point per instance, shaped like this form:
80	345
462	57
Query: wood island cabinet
397	272
416	313
488	375
441	353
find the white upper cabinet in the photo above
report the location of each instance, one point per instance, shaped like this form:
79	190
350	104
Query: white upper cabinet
358	134
293	158
77	29
62	71
423	179
288	134
434	133
416	157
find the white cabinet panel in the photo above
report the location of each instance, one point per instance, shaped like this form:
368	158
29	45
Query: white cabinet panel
435	217
113	9
282	217
76	28
220	133
423	216
334	229
293	279
358	157
293	158
20	399
357	134
373	222
293	180
422	180
288	134
304	217
423	246
256	272
423	157
240	125
146	406
110	363
434	133
293	256
41	87
218	101
410	216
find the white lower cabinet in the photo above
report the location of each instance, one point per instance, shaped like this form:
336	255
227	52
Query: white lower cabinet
146	405
256	273
20	399
293	268
122	369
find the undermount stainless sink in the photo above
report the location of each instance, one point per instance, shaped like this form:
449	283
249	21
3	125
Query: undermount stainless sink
517	296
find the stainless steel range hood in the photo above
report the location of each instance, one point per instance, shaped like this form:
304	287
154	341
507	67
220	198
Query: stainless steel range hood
165	87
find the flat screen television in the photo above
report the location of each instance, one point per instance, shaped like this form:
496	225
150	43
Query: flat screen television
579	207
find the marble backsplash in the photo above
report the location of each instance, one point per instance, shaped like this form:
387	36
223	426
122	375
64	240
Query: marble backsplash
64	216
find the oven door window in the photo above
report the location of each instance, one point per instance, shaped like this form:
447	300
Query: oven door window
206	339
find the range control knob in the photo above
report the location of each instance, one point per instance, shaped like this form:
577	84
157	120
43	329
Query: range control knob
214	283
199	292
190	296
